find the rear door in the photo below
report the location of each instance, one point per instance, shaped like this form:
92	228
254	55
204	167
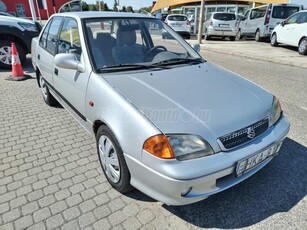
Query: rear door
224	21
299	29
47	43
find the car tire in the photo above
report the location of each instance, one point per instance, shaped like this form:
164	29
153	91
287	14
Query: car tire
257	36
239	35
302	46
188	36
116	170
5	51
273	41
233	38
207	37
47	96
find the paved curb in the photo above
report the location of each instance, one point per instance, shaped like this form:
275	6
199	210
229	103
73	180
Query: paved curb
204	47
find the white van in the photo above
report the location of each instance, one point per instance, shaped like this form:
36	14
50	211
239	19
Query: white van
259	22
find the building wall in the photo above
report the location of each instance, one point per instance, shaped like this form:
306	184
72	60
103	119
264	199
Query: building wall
17	7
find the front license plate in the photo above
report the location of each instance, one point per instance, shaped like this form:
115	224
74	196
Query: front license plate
224	25
249	163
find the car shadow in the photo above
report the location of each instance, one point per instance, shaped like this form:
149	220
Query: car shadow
278	187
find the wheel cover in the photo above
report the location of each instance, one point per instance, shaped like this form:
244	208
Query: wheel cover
109	158
303	46
5	55
43	88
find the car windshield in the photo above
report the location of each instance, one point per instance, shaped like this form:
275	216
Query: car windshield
224	17
283	12
122	44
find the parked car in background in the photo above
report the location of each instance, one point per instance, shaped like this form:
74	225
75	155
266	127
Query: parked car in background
165	121
161	16
18	30
259	22
222	25
179	23
292	31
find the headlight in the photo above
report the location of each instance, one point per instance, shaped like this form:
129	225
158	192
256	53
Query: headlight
276	111
28	26
186	147
179	146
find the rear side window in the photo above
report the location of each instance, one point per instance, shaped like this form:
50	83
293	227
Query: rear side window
258	13
283	12
224	17
177	18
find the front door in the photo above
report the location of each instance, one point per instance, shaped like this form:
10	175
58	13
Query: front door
71	84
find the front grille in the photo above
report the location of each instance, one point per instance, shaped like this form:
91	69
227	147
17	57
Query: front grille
245	135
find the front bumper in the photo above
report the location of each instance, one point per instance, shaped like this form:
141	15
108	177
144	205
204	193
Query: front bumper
168	181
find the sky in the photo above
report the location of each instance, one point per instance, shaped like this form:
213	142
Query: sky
136	4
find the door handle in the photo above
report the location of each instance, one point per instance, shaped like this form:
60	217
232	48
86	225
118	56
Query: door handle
56	71
38	57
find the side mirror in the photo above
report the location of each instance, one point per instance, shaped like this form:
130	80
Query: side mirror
68	61
196	47
282	23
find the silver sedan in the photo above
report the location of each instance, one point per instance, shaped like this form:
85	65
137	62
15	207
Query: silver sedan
166	122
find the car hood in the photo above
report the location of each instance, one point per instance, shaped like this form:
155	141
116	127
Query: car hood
15	19
200	99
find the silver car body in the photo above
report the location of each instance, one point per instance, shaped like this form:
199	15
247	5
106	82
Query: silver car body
200	99
221	24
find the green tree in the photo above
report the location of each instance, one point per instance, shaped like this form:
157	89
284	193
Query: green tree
124	9
92	7
105	7
130	9
84	6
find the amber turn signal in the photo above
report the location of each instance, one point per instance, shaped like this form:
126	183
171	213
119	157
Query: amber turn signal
159	146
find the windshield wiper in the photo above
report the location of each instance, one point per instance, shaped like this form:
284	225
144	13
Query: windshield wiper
179	61
122	67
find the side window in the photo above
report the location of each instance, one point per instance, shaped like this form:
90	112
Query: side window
246	15
43	39
253	14
303	18
69	41
293	19
53	35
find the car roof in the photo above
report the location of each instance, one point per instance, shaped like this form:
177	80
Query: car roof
176	15
96	14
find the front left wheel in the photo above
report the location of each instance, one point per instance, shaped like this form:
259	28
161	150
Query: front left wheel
112	160
302	47
273	41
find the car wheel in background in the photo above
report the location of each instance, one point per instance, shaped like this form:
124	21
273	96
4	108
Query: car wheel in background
233	38
112	160
257	36
302	46
274	40
239	35
188	36
207	37
48	98
6	55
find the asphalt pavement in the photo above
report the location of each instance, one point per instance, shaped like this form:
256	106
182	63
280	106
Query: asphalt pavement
50	176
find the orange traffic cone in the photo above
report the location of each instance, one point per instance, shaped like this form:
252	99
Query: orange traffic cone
17	71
